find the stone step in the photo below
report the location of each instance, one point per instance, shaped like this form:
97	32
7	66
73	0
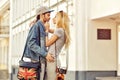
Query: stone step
3	74
107	78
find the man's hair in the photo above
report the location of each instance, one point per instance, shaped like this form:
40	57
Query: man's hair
37	17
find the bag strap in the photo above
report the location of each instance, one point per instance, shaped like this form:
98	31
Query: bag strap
63	48
27	40
65	54
66	51
45	71
56	54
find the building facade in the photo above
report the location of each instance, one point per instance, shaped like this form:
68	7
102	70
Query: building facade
94	28
22	13
4	38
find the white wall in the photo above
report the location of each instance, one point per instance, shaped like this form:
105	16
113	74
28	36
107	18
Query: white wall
100	8
118	71
80	25
4	43
102	54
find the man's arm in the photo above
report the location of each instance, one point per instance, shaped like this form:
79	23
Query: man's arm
32	42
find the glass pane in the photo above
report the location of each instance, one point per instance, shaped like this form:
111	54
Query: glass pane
63	7
52	2
46	3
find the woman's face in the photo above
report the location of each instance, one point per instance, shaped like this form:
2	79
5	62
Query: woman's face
54	20
57	17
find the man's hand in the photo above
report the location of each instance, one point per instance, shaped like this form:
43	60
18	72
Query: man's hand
50	58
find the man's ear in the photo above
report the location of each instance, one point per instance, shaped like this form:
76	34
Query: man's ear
41	16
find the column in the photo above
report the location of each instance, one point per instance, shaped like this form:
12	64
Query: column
80	24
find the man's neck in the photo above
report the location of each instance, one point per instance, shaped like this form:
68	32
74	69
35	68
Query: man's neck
42	21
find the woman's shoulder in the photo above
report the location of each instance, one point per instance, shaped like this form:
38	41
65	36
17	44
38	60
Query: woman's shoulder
59	32
60	29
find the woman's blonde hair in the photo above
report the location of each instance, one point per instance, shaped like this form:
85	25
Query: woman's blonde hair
62	20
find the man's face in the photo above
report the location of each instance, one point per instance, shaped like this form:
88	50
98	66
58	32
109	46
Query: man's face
46	17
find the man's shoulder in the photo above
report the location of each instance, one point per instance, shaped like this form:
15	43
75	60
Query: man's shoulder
39	22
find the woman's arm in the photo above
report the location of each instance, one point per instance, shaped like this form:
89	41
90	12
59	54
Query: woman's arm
51	30
57	34
51	40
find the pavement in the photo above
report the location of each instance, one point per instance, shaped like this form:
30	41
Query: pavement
107	78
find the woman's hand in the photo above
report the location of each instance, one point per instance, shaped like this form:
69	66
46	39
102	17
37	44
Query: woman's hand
47	26
50	58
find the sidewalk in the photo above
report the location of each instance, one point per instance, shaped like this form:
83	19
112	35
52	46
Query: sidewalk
107	78
3	74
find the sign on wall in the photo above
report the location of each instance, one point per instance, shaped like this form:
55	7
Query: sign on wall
104	34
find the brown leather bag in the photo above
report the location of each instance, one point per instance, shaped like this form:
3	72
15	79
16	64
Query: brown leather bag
60	76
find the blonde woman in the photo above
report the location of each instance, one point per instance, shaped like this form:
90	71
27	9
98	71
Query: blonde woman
60	38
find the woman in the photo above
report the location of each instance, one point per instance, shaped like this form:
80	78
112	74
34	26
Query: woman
60	38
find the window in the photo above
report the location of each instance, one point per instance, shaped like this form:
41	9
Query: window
63	7
53	2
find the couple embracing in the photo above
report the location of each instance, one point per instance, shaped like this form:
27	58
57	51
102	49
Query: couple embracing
41	48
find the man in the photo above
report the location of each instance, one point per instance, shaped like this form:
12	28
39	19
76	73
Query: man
36	40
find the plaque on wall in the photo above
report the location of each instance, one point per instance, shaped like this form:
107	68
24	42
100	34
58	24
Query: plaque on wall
104	34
